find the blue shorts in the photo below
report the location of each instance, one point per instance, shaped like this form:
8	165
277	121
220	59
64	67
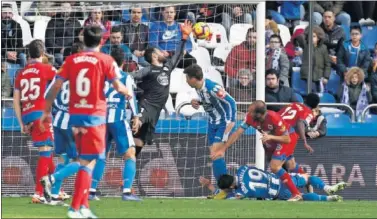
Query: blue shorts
298	180
65	142
121	133
215	133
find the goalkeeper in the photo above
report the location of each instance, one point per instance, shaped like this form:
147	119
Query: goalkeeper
251	182
155	84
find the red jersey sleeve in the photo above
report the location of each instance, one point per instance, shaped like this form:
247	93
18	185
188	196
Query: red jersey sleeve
279	125
51	72
63	72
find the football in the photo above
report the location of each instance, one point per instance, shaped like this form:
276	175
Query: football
201	30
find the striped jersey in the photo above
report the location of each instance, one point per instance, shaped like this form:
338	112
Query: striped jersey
60	107
218	104
255	183
117	103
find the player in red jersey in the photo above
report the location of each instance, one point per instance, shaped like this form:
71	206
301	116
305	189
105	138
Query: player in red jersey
298	116
86	72
29	102
278	141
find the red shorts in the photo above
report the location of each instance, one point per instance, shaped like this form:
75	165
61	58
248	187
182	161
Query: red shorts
42	138
90	142
285	152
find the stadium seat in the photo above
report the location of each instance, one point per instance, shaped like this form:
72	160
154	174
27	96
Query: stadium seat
214	75
299	98
347	31
298	85
26	32
218	29
222	51
8	113
369	36
370	118
333	83
202	57
285	34
40	26
176	80
169	107
25	7
338	119
326	98
238	33
12	70
300	26
187	96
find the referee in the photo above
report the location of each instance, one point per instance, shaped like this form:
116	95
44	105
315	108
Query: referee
155	84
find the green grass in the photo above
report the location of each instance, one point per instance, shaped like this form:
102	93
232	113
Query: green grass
196	208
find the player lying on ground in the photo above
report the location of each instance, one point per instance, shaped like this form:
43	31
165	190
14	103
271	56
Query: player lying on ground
155	84
221	108
278	141
118	129
29	102
86	72
65	146
251	182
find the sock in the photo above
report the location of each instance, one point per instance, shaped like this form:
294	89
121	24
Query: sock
51	167
298	169
63	173
138	150
314	197
98	171
316	182
81	187
287	180
129	173
85	200
42	170
219	167
57	184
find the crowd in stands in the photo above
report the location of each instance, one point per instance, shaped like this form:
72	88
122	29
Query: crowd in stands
338	48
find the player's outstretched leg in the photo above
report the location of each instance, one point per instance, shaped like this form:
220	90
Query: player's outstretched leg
316	197
98	172
43	164
277	168
129	173
219	168
318	183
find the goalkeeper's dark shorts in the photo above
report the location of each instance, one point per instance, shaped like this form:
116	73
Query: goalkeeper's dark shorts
149	118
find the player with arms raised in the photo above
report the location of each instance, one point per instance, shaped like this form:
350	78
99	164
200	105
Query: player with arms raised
29	102
278	142
86	72
221	108
119	130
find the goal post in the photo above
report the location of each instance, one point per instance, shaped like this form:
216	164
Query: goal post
171	166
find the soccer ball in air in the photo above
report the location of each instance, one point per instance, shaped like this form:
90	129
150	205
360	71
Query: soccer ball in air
201	30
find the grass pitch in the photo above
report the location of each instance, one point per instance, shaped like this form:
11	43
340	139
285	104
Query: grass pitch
196	208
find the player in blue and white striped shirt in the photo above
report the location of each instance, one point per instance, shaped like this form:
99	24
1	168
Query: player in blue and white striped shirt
118	129
220	107
64	142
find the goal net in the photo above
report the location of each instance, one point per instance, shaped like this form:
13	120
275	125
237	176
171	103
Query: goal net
179	155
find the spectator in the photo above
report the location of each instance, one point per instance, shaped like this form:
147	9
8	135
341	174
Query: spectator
318	126
297	41
321	67
276	91
373	79
62	30
12	49
243	90
242	56
234	15
97	18
277	59
42	8
292	11
334	35
320	7
166	36
354	91
75	48
362	11
353	53
116	38
5	82
136	35
210	13
271	29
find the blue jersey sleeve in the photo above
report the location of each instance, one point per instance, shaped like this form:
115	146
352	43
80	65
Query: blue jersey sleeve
227	101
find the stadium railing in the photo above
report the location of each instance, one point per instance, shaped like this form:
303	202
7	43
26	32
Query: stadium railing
364	113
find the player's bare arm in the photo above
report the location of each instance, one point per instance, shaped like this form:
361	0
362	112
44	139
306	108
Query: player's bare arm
50	97
195	103
283	139
17	109
232	139
301	130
